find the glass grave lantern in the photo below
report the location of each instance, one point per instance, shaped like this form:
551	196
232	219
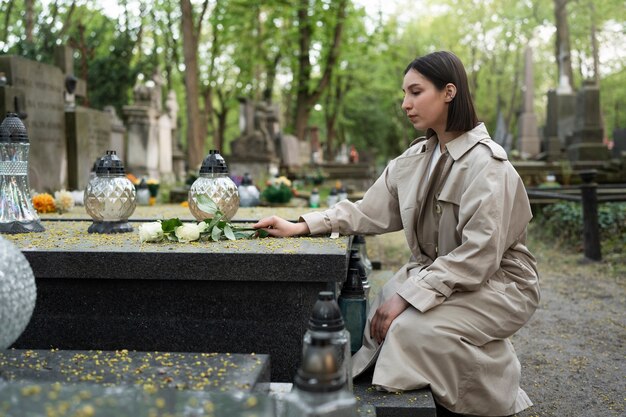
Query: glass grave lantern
18	293
17	214
214	183
110	197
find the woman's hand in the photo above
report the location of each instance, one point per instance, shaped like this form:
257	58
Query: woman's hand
385	315
279	227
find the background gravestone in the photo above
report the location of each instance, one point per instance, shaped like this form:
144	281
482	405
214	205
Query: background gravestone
619	142
88	138
39	89
585	143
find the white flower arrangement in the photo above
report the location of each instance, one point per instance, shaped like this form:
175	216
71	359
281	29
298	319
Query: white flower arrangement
214	228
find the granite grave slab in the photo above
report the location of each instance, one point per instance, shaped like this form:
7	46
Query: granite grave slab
149	370
110	292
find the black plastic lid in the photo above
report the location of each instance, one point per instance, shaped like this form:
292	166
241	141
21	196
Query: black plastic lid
314	191
214	163
353	287
15	128
358	239
356	262
320	371
326	315
246	180
110	164
333	191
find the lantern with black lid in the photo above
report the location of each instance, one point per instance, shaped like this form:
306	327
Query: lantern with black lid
214	183
17	214
110	197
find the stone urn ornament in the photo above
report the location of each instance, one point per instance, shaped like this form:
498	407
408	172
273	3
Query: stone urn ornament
110	197
17	293
214	183
17	214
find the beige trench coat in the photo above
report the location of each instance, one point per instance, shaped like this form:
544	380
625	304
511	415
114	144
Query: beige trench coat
471	281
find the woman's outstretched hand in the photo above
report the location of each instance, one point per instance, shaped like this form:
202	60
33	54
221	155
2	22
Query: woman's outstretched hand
279	227
385	315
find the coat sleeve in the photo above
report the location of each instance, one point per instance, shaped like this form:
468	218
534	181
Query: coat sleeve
378	212
493	213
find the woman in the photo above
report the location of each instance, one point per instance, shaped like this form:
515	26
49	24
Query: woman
445	317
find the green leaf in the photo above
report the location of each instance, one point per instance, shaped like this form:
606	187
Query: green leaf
206	204
246	234
170	225
262	233
228	232
216	234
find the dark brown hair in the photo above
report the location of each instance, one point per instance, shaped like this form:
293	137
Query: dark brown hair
444	67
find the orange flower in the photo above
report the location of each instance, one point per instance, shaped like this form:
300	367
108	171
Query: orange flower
44	203
132	178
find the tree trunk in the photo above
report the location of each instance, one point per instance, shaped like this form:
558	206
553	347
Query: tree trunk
195	142
305	98
562	47
594	45
29	20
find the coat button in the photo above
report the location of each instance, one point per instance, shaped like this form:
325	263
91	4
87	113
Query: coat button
437	208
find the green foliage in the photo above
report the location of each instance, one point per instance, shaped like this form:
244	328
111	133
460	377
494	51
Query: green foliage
564	222
277	193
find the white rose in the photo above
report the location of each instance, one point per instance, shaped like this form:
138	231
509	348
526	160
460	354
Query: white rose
202	227
188	232
150	232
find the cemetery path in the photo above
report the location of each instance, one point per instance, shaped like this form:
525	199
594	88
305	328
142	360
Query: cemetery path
573	350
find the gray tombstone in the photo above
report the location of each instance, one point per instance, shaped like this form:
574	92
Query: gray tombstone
529	143
254	151
142	117
88	138
585	144
619	143
118	133
39	91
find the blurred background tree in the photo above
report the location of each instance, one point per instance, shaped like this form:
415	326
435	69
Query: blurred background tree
334	64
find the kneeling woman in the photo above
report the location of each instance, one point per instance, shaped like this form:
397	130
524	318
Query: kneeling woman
444	320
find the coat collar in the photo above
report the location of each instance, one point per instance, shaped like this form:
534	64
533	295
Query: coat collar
459	146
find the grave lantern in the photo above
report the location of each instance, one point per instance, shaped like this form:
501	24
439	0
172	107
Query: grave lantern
17	293
110	197
248	193
319	385
17	214
214	183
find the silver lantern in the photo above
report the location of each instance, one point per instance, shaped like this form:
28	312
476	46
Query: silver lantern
17	293
17	214
214	183
110	197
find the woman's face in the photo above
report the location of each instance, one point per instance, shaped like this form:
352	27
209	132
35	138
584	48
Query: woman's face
425	105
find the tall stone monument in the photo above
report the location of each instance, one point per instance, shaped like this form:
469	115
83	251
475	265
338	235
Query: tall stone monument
178	156
35	90
529	144
254	151
142	121
585	145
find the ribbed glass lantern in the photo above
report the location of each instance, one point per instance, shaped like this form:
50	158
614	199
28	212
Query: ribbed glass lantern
17	293
17	214
214	183
110	197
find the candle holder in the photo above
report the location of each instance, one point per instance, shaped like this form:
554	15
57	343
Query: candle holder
110	197
17	293
214	183
17	214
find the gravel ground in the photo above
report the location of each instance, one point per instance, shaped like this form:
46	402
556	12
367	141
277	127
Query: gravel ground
572	350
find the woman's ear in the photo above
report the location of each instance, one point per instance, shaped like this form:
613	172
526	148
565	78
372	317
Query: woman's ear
450	90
